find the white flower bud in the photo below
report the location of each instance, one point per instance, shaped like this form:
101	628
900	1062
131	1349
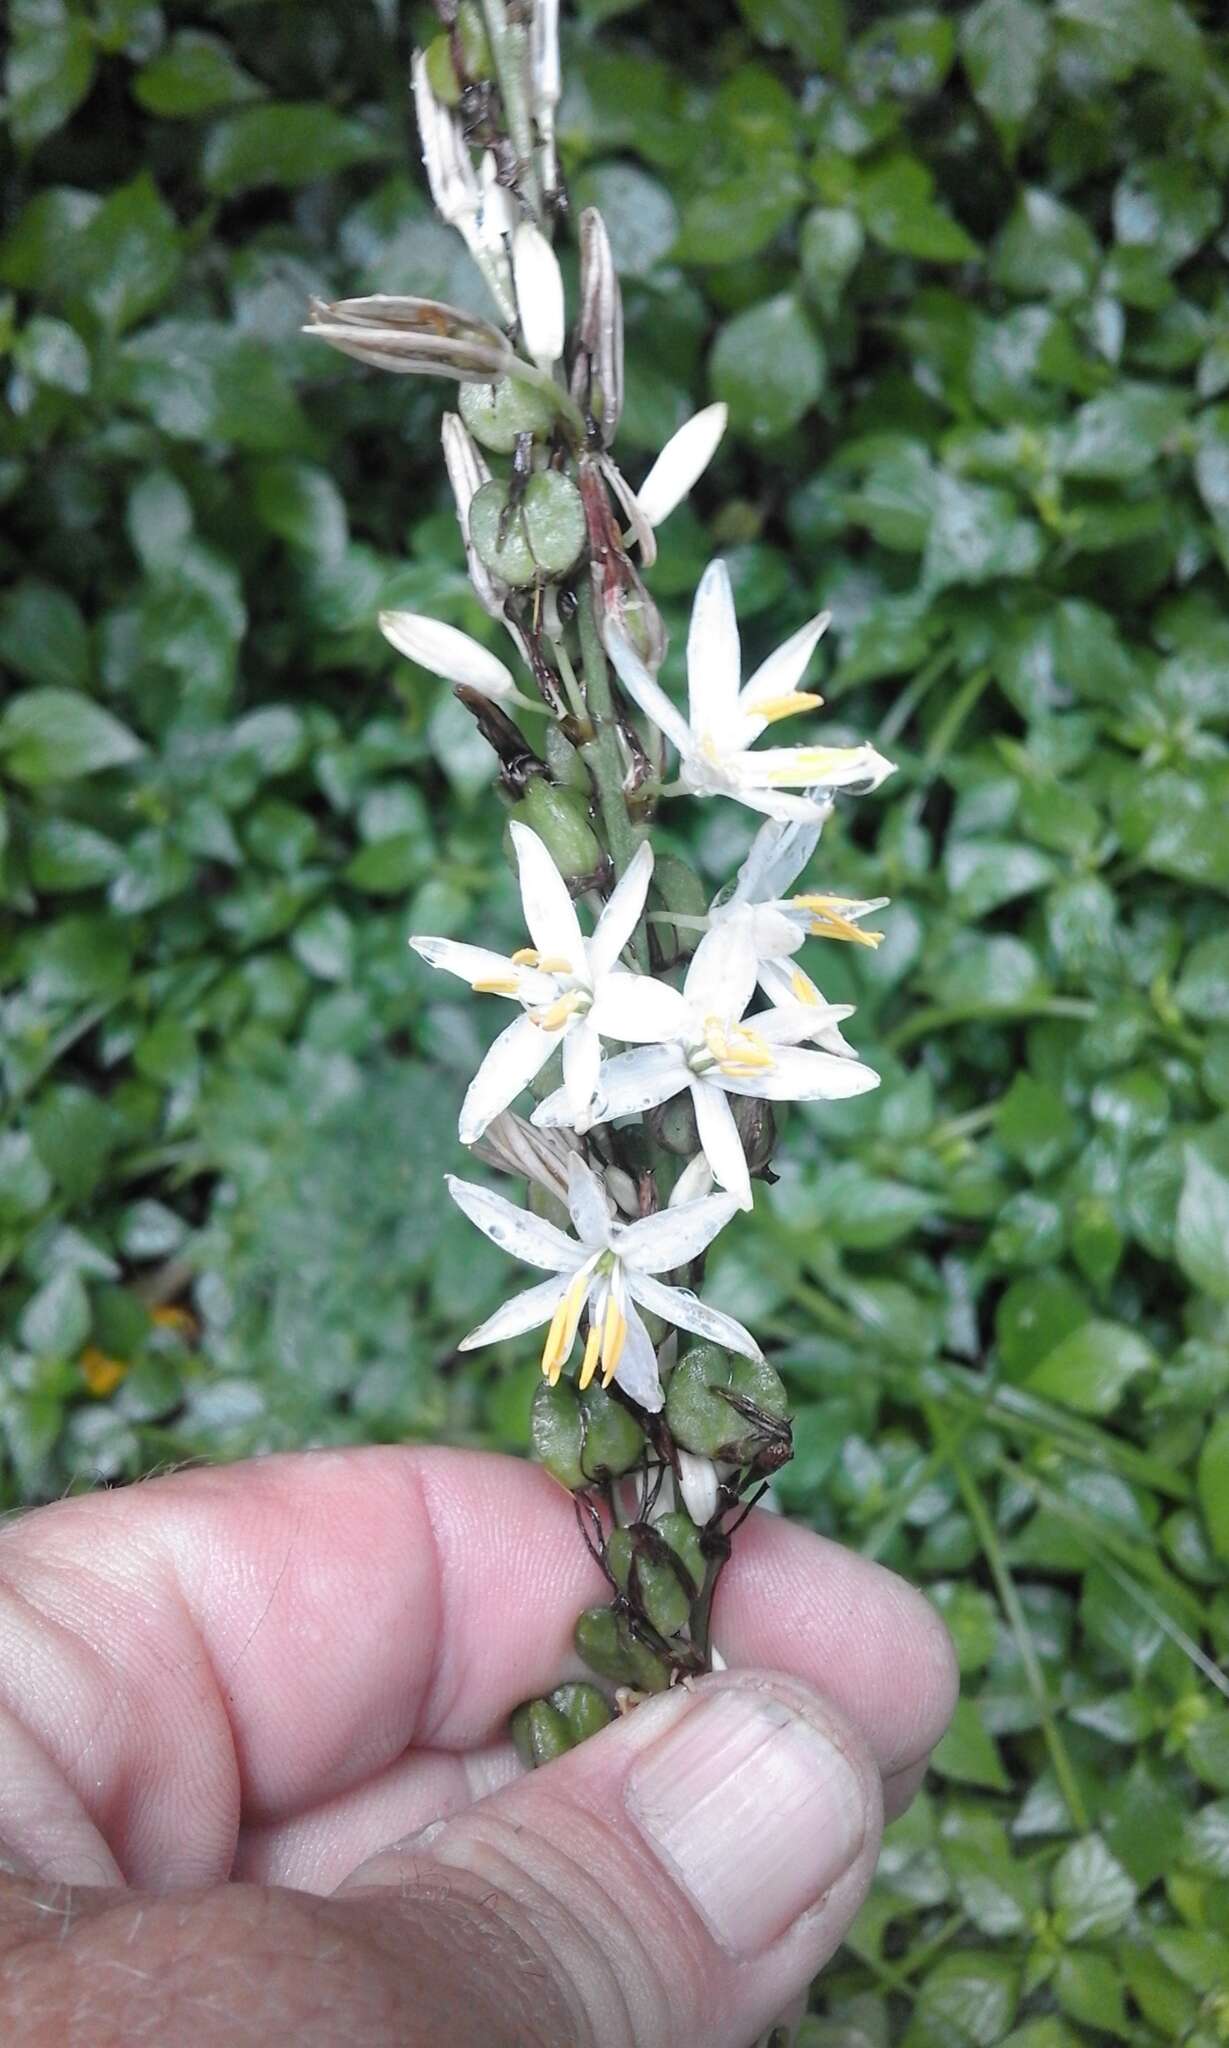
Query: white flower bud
447	652
698	1486
682	461
693	1183
539	294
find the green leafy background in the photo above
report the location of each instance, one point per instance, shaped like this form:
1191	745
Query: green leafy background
960	274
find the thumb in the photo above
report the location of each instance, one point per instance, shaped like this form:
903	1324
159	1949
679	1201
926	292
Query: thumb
677	1878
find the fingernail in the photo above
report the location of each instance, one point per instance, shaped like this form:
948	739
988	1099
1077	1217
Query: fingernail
752	1809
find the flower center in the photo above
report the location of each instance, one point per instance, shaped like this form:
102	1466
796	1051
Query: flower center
734	1049
556	1016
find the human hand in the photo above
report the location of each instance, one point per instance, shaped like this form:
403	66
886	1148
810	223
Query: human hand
225	1693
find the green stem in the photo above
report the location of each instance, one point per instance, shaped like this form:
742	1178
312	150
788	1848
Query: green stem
1013	1608
601	754
941	1017
510	52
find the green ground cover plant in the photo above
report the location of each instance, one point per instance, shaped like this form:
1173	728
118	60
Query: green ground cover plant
959	274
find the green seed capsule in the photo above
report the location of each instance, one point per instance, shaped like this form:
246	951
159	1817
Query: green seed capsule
557	1432
674	1126
442	72
611	1439
702	1420
680	1532
566	767
608	1647
540	1733
584	1708
652	1586
757	1127
497	413
542	536
560	817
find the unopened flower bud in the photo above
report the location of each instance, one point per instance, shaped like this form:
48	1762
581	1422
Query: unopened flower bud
597	369
415	337
693	1183
560	817
682	461
539	294
496	414
540	1733
447	652
732	1409
542	536
606	1642
698	1485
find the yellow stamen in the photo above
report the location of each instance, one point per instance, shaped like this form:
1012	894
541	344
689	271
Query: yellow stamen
614	1337
774	708
807	765
739	1052
495	985
829	920
593	1346
171	1317
556	1015
562	1332
526	956
804	989
554	963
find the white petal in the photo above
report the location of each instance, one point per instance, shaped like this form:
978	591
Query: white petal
447	652
777	856
684	458
784	669
720	1142
539	294
517	1231
679	1306
721	976
640	528
477	963
674	1237
582	1060
550	914
713	655
812	768
621	913
629	1083
800	1075
775	803
693	1183
637	1371
639	1009
644	690
527	1311
520	1052
791	1022
587	1203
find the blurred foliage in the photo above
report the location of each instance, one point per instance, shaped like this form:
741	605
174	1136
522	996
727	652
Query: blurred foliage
960	274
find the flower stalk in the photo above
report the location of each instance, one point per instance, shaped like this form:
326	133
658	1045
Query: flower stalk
654	1032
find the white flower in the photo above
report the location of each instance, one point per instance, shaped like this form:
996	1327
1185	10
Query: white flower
608	1267
714	741
681	463
699	1485
447	652
572	990
539	294
775	926
716	1055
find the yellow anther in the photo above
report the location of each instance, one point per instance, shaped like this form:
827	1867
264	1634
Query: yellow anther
526	956
562	1332
614	1337
593	1346
738	1052
807	765
554	963
830	921
804	989
556	1015
495	985
773	708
